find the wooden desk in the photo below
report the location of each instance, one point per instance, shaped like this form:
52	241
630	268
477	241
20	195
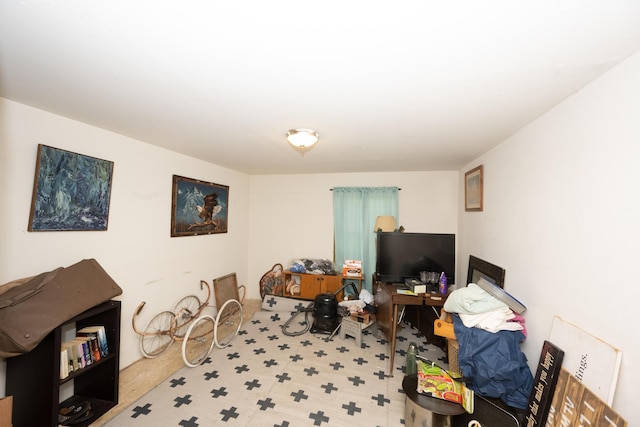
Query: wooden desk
388	300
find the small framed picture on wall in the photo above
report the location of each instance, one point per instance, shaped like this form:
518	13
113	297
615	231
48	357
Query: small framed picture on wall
473	191
198	207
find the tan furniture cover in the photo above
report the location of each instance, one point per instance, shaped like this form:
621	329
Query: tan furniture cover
30	308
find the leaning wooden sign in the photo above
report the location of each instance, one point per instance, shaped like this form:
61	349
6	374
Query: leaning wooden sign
544	385
561	399
574	404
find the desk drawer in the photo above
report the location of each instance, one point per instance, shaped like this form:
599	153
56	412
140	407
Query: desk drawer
434	299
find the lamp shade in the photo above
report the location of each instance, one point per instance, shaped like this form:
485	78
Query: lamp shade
385	223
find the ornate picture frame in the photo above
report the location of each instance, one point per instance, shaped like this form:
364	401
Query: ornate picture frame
198	207
71	191
473	189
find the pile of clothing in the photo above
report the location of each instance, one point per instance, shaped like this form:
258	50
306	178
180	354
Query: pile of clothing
312	266
489	335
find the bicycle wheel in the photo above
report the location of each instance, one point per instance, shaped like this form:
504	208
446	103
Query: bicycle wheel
228	322
198	341
156	336
186	310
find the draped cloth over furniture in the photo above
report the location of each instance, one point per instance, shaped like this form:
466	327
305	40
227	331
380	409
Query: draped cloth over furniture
355	210
32	307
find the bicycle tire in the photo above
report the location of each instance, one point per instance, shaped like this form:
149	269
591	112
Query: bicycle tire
156	337
229	318
198	341
187	309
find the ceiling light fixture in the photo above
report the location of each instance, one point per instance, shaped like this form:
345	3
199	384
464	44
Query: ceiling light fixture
302	140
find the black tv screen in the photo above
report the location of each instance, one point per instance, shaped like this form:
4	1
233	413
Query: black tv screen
403	256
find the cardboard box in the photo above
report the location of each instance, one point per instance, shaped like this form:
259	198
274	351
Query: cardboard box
365	318
352	268
6	411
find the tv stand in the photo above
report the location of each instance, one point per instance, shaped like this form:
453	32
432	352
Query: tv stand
388	300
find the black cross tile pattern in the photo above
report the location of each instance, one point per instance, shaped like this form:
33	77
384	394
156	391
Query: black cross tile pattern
189	423
266	378
182	400
177	381
210	375
141	410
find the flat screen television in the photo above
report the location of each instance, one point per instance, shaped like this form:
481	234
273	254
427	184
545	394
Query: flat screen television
401	256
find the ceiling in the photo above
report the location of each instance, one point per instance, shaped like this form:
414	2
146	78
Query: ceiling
415	85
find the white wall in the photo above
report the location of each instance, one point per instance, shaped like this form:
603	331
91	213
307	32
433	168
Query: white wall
561	215
292	215
137	250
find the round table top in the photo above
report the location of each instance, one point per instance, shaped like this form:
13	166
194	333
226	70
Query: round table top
433	404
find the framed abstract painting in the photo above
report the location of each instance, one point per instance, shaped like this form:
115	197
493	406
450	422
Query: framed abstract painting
71	192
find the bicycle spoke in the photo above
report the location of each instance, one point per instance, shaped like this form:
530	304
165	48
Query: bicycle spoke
156	337
185	310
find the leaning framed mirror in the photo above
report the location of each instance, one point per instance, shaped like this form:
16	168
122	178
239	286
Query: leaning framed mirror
479	268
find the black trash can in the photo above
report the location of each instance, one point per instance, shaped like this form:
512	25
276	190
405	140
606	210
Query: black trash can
325	314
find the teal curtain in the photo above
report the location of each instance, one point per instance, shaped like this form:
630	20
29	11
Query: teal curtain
355	210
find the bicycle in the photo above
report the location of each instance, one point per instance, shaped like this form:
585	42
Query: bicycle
206	331
167	326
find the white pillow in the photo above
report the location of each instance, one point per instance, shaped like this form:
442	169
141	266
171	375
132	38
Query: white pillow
472	300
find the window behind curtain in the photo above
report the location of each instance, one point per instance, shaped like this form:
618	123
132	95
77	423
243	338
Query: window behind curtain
355	210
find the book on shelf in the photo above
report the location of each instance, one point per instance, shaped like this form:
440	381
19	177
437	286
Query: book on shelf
86	349
94	347
72	362
101	337
87	359
76	354
80	353
64	363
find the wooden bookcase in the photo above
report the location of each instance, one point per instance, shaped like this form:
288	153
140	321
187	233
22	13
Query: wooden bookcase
33	379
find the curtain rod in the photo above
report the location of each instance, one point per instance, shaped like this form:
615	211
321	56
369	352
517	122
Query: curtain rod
331	189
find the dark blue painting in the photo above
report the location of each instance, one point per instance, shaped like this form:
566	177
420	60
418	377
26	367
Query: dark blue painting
198	207
71	192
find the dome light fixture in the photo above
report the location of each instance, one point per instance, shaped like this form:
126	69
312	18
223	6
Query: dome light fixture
302	140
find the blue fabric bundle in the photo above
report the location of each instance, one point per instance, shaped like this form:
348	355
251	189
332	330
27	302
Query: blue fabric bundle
493	363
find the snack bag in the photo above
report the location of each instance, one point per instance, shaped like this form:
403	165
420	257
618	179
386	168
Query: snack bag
437	382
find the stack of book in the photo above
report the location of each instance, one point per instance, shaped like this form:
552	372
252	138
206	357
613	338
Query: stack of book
89	346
